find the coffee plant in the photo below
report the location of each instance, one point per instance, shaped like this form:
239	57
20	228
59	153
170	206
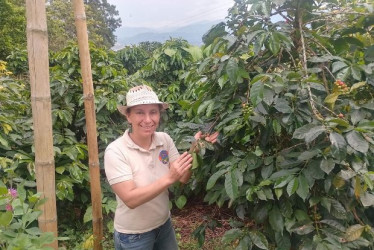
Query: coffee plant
291	91
71	156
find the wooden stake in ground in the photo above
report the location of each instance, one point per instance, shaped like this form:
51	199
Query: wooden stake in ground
37	47
89	105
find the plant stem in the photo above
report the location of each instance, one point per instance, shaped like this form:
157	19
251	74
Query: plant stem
357	217
316	113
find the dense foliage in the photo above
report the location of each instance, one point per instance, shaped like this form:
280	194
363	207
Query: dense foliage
291	90
16	137
289	85
135	57
102	21
12	27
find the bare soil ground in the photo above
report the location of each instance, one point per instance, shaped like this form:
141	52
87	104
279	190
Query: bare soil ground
192	216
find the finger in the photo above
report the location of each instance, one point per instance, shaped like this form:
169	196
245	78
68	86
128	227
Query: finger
184	158
198	135
181	157
187	160
187	155
209	139
187	167
214	135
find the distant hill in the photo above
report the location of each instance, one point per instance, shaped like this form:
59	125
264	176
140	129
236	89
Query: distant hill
193	33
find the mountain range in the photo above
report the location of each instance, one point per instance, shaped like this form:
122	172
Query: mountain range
193	33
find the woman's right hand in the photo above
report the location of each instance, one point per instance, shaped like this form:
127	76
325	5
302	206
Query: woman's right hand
180	166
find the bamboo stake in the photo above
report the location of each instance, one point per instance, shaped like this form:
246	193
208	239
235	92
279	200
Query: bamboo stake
37	47
89	105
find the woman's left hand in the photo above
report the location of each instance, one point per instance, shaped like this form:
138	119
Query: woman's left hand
212	138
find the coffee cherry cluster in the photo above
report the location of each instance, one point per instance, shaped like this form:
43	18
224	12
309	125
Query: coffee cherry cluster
246	109
341	86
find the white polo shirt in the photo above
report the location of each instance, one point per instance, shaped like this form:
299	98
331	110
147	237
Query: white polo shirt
124	160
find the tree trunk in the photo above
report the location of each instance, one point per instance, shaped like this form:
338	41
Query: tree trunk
37	47
89	105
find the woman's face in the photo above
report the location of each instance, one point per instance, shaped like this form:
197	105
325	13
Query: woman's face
144	118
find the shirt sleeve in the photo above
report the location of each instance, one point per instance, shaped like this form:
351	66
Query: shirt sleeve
116	166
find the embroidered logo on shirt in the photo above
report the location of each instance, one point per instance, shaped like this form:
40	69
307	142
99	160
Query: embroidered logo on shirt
164	156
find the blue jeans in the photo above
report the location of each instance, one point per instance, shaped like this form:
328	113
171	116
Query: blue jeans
161	238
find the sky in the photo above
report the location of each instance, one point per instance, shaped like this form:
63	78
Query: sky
170	13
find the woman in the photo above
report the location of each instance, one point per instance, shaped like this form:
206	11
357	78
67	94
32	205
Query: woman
140	166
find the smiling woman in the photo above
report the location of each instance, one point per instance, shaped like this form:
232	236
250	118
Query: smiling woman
140	167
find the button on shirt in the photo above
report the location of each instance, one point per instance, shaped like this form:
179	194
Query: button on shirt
123	161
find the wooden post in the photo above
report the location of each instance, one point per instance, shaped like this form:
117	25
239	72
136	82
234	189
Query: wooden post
37	47
89	105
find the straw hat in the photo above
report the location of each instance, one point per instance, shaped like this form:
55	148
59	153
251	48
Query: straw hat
138	95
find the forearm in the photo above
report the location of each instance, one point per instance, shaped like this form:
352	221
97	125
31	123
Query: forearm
136	196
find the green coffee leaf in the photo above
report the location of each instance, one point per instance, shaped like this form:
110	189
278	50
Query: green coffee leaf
331	98
282	240
204	106
282	105
213	179
88	215
327	165
338	65
338	146
301	132
232	235
257	92
334	224
292	186
170	52
276	219
356	141
259	239
356	72
195	161
181	201
286	208
245	243
232	69
303	187
274	43
231	185
313	133
367	199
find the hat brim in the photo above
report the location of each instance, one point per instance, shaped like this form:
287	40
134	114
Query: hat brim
123	109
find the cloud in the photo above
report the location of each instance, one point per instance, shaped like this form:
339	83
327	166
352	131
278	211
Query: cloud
171	13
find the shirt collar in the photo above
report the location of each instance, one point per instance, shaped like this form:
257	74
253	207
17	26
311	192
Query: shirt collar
156	142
